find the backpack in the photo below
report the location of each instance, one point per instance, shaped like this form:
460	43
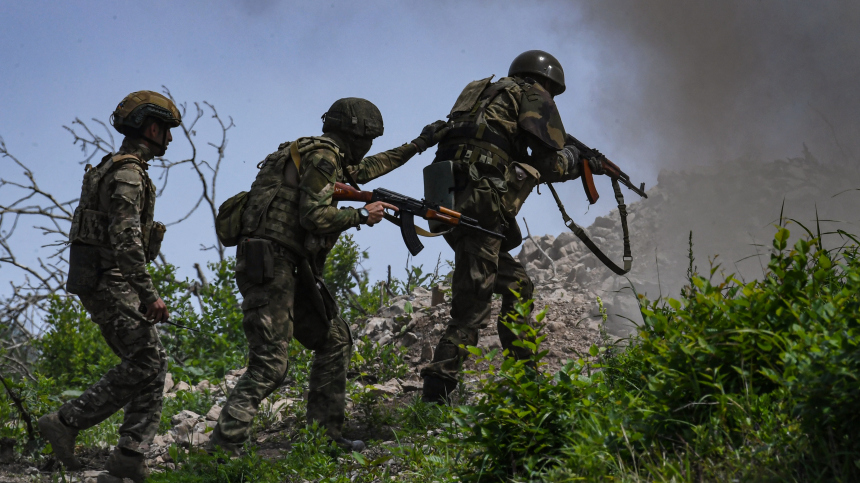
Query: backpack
228	223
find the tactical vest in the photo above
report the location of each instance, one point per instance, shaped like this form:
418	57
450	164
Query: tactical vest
473	140
272	209
90	225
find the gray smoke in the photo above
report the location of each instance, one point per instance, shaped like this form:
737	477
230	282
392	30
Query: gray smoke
696	81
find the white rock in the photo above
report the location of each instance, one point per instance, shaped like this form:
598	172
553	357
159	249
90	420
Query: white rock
168	383
407	340
204	426
390	388
214	413
409	386
237	372
203	385
182	416
181	386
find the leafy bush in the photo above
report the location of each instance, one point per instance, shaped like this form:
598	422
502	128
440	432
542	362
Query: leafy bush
218	344
72	350
740	381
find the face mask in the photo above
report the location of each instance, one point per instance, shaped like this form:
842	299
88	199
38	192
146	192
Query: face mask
359	148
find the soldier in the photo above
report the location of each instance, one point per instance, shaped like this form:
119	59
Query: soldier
494	125
113	237
289	224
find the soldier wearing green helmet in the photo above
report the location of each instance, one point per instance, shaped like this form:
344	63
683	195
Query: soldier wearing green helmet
112	238
505	137
289	224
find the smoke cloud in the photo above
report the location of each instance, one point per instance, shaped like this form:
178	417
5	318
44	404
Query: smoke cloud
693	82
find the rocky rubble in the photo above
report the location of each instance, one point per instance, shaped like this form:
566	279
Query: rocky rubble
411	321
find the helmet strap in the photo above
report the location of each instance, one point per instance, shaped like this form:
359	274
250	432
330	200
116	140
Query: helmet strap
163	143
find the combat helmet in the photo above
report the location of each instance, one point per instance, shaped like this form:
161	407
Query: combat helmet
533	63
353	115
137	106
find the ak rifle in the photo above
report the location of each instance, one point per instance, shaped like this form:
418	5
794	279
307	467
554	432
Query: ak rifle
610	169
407	209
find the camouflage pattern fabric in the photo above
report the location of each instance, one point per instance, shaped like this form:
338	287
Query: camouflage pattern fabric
269	313
527	118
137	382
481	269
271	310
127	195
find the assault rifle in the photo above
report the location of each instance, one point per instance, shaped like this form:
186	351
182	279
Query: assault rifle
408	208
610	168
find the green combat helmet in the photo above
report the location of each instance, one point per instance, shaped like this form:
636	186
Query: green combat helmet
137	106
539	63
355	116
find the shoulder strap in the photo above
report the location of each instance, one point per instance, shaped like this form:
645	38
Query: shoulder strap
294	154
580	232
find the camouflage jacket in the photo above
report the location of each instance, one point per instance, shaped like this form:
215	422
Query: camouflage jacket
127	195
520	117
297	210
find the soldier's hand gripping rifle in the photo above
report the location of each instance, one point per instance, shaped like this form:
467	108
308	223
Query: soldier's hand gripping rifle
609	169
408	208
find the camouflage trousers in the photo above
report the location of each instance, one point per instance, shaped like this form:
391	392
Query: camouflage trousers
270	314
480	270
136	384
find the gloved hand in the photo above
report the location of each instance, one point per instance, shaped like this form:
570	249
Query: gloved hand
595	165
574	158
571	156
431	135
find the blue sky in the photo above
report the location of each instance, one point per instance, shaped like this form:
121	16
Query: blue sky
275	67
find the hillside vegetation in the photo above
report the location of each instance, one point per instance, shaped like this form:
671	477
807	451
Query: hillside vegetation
728	381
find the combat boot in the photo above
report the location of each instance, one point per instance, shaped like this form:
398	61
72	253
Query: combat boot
217	441
62	439
437	390
124	463
350	444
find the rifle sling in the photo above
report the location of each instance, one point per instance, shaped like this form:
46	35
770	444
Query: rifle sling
580	232
418	229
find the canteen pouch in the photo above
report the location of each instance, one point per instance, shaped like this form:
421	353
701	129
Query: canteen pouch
439	186
84	268
156	236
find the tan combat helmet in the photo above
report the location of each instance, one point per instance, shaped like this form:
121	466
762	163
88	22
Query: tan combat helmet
137	106
532	63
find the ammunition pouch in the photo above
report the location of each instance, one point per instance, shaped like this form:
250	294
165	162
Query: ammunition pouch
156	236
312	328
89	227
520	180
256	258
439	187
84	268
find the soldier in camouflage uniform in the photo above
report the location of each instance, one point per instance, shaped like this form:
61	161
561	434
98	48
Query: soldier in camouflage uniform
113	236
289	225
505	137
